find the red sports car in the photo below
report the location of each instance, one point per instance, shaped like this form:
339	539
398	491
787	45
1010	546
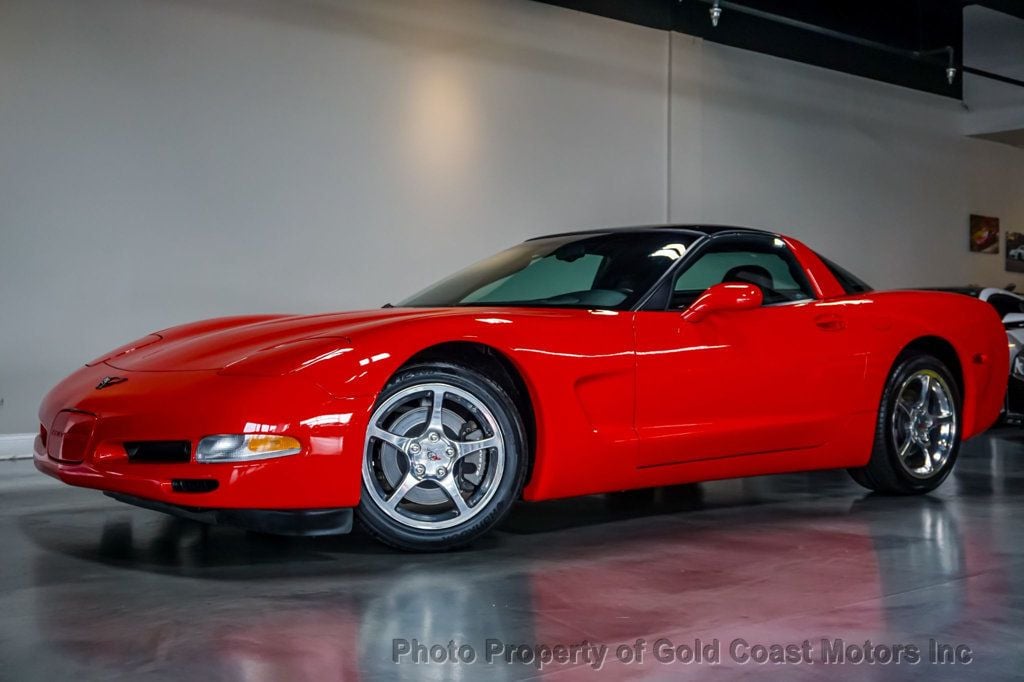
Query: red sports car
572	364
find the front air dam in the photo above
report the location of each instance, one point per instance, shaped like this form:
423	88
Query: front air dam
301	522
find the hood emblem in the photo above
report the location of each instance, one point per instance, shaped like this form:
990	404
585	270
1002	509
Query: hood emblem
110	381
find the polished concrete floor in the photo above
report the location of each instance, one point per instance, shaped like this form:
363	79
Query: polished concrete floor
91	589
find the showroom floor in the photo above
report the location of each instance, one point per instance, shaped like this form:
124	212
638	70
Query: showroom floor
92	589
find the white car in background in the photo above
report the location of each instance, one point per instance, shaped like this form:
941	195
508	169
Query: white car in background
1010	306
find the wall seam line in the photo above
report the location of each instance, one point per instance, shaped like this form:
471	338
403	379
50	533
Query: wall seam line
668	134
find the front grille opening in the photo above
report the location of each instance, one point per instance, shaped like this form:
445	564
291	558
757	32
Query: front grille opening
42	435
158	450
193	485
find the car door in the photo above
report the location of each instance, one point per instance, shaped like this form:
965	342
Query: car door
769	379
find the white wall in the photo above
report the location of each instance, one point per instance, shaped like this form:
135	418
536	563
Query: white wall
166	160
879	178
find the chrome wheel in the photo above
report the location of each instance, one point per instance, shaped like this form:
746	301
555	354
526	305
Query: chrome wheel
924	423
433	456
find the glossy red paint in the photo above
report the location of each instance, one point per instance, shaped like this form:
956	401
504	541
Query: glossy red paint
621	399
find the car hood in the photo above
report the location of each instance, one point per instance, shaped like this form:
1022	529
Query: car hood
216	344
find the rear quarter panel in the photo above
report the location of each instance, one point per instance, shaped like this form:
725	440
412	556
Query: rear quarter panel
886	323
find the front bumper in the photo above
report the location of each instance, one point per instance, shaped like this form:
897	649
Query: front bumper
191	405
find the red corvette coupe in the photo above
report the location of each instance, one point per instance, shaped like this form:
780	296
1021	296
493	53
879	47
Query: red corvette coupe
572	364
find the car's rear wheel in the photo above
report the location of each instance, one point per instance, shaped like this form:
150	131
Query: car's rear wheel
917	436
444	458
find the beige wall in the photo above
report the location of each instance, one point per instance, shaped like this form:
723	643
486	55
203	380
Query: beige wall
167	160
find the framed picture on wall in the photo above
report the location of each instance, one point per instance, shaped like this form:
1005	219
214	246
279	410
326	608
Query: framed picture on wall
984	234
1014	252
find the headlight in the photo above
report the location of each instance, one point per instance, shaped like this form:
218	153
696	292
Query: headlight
245	447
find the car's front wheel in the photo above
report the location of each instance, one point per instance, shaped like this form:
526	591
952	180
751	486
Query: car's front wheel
917	435
444	458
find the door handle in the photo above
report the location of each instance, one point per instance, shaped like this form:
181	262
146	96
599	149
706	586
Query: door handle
830	323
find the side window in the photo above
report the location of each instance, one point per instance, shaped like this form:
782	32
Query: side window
764	264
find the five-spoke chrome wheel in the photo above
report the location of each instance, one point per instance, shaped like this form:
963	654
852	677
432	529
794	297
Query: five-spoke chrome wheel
434	456
924	423
917	432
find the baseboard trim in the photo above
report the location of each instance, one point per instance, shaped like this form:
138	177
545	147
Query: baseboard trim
16	445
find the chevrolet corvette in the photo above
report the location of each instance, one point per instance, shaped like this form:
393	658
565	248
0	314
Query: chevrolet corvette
573	364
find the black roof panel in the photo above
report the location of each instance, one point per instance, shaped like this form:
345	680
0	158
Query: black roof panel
707	230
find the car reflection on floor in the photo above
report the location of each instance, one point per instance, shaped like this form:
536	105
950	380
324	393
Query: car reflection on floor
104	590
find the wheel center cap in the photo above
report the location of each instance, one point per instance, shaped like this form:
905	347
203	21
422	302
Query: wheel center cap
920	426
431	456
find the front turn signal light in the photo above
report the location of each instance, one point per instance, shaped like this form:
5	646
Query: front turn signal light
245	447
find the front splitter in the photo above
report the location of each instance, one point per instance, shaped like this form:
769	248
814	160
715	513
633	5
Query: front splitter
300	522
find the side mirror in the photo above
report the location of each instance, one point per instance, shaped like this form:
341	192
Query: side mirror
723	297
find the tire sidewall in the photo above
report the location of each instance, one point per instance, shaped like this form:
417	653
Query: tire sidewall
906	367
509	423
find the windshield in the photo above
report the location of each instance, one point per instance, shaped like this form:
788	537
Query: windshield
611	270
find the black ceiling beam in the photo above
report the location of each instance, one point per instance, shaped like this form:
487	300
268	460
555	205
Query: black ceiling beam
887	43
887	32
993	76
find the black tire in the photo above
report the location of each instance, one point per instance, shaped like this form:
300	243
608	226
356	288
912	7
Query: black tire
884	472
497	400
